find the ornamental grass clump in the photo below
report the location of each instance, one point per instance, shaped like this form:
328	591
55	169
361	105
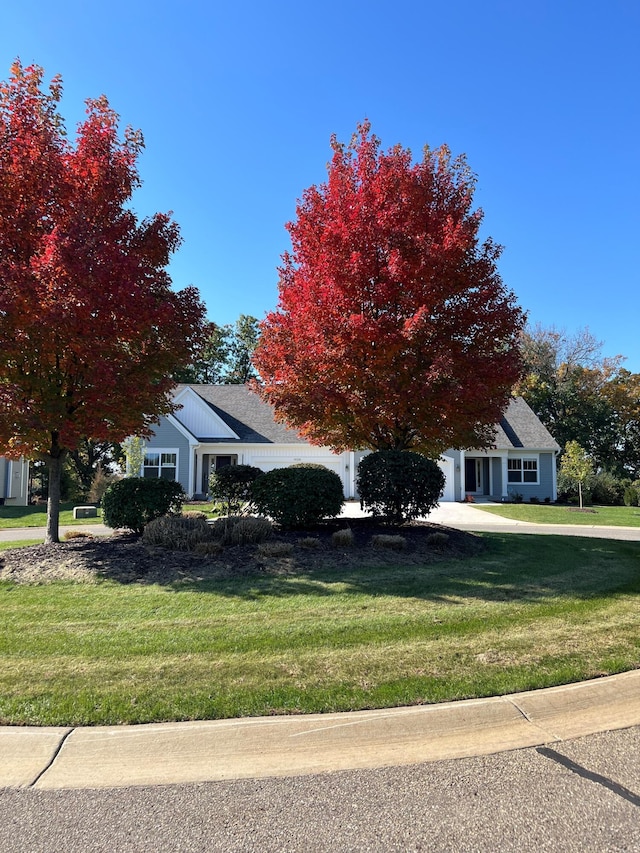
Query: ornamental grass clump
392	543
208	549
437	540
342	538
242	530
275	549
176	533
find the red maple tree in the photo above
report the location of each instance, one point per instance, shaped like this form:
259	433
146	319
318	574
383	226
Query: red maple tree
394	329
90	327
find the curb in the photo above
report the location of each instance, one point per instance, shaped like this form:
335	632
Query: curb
261	747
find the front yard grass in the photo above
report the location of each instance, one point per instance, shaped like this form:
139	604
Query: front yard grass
605	516
528	612
36	516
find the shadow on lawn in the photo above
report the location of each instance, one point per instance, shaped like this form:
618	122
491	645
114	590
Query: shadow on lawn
491	567
513	568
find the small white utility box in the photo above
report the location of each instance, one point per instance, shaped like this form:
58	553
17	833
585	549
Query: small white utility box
85	512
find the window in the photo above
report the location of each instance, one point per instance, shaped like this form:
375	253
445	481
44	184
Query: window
522	470
159	464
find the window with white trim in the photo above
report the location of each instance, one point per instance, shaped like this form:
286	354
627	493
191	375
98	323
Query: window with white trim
522	470
161	464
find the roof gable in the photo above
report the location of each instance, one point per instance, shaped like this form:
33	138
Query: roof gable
237	413
199	418
520	427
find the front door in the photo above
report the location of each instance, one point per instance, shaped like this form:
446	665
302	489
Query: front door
214	464
473	476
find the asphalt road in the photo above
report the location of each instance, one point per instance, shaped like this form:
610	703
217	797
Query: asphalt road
581	795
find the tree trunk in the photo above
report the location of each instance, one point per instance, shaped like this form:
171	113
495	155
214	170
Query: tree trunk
580	492
54	462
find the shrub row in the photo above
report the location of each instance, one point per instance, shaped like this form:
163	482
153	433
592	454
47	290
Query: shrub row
396	486
602	488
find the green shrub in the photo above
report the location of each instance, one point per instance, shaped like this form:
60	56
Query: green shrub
631	496
342	538
135	501
309	542
606	489
399	485
232	486
176	533
299	495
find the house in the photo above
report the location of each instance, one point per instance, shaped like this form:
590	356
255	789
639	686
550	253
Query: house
14	481
521	462
219	425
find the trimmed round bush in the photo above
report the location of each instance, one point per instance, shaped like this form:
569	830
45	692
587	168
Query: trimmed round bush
399	485
135	501
232	486
298	496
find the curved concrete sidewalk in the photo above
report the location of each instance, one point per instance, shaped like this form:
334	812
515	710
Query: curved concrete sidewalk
170	753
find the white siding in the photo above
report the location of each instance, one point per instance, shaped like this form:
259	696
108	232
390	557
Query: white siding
200	420
447	468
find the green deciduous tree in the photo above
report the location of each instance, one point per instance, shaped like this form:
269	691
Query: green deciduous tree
576	465
225	354
582	396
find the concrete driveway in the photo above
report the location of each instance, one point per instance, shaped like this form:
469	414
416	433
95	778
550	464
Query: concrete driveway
468	517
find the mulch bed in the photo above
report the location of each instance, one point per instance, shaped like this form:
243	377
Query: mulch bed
126	559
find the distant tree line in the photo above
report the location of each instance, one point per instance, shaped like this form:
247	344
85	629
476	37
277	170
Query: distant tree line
224	357
583	397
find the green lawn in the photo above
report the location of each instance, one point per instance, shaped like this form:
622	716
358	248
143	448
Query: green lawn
18	543
36	516
529	612
607	516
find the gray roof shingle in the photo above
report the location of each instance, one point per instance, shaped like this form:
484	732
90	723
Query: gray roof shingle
520	427
246	413
252	419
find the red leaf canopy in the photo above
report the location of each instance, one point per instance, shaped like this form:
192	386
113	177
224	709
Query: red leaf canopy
393	329
89	325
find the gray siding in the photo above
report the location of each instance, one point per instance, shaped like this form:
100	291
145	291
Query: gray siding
167	437
496	471
543	489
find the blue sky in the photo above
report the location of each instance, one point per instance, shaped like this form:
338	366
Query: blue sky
237	103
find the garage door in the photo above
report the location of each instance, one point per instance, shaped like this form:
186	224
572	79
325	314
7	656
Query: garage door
446	466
